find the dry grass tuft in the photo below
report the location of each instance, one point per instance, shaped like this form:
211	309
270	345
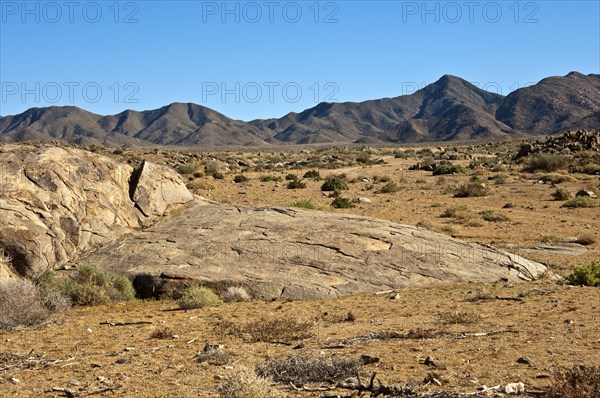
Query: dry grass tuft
246	384
299	369
578	382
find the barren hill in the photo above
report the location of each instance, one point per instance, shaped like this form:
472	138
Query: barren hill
449	109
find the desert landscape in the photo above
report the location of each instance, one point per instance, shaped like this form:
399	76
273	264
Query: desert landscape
304	199
426	270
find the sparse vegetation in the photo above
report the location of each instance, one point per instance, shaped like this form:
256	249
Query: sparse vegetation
492	216
459	318
23	304
198	297
240	178
314	174
246	384
390	187
299	369
581	381
296	184
92	286
188	168
278	330
582	202
561	194
547	162
587	274
471	189
305	204
162	333
334	184
270	177
342	203
447	169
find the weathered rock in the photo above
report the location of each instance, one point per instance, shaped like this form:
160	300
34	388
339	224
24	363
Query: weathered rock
154	195
63	205
56	203
299	254
586	193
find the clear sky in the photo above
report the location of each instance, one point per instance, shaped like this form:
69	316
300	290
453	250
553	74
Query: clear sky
259	59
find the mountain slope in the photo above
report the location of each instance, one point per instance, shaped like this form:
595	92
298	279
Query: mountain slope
552	105
449	109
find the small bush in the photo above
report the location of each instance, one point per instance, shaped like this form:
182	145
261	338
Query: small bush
269	177
200	185
314	174
334	184
580	381
471	189
561	194
198	297
23	304
586	274
188	168
550	239
390	187
492	216
581	202
447	169
300	369
342	203
92	286
547	162
238	179
305	204
218	175
277	330
296	184
246	384
585	240
453	211
163	333
291	177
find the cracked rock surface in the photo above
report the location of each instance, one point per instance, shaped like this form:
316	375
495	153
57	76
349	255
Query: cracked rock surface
65	205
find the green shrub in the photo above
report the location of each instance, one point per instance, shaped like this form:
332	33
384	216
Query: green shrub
363	158
561	194
92	286
342	203
269	177
296	184
188	168
334	184
492	216
390	187
305	204
198	297
314	174
582	202
586	274
447	169
471	189
218	175
547	162
238	179
452	211
291	177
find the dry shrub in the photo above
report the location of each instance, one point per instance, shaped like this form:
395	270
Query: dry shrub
22	303
213	355
198	297
470	190
580	381
459	318
299	369
162	333
419	333
282	330
246	384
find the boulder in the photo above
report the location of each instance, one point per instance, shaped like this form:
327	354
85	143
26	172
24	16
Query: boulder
57	203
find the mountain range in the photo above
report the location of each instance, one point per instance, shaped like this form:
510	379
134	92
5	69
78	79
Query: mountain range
449	109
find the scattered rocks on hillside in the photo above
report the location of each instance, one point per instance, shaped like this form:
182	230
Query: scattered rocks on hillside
569	142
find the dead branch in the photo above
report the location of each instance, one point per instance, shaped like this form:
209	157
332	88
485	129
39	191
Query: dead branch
126	323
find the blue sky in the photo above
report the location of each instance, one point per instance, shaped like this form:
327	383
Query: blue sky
259	59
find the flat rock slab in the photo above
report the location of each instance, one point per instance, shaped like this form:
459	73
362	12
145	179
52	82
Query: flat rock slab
302	254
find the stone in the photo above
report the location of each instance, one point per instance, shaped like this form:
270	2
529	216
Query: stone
514	388
586	193
368	359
